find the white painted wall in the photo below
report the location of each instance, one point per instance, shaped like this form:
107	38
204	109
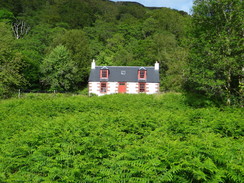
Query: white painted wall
112	88
131	88
93	88
152	88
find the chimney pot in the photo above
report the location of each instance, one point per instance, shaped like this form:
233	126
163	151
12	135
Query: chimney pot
156	67
93	65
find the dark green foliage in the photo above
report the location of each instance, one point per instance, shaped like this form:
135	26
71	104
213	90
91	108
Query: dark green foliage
11	63
208	60
59	70
216	59
119	138
77	43
112	33
6	16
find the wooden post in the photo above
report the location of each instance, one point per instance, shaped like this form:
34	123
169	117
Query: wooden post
19	94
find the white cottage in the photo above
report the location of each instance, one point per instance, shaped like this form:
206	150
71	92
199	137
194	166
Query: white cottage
123	79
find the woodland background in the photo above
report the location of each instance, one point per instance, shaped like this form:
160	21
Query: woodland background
49	45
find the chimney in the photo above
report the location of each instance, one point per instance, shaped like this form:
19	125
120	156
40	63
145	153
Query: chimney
156	67
93	64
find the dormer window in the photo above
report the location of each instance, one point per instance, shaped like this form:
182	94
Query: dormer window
142	73
104	73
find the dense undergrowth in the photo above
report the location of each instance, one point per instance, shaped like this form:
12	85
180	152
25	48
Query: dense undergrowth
119	138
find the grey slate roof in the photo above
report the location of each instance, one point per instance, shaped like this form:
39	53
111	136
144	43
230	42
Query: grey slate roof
124	74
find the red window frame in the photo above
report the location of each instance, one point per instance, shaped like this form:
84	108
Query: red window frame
142	74
142	87
103	87
104	74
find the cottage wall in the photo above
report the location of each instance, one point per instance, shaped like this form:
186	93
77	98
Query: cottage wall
93	87
131	88
152	88
112	88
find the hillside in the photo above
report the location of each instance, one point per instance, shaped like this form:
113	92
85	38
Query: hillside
49	45
120	138
111	33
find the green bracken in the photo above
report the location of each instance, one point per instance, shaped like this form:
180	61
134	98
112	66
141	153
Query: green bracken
119	138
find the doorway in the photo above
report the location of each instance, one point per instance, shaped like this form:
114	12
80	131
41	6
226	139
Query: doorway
122	87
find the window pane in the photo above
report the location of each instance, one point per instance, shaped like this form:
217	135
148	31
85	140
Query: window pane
104	73
103	87
142	87
142	74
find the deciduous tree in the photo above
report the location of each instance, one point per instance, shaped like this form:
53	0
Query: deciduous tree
11	63
217	48
59	70
76	42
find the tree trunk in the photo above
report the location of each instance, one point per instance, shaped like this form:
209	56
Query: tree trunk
20	29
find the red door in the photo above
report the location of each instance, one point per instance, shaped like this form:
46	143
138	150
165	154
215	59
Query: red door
122	88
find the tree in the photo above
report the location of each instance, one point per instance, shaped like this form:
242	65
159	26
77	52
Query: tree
6	16
59	70
20	29
170	20
174	77
76	42
11	63
33	50
216	60
112	33
74	12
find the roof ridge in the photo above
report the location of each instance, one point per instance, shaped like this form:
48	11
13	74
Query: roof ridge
124	66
